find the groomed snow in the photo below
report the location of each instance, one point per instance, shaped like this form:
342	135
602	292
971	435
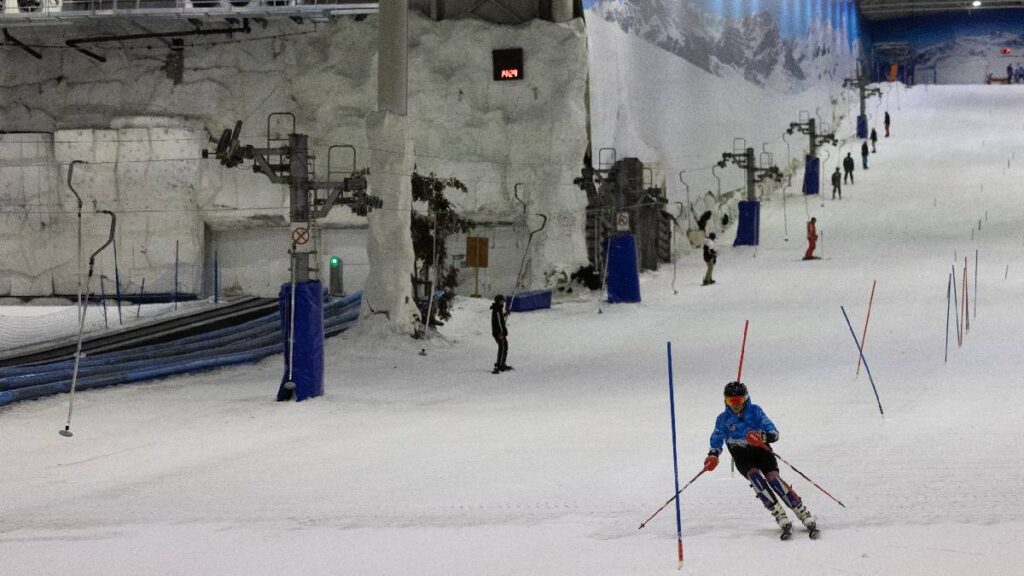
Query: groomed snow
416	465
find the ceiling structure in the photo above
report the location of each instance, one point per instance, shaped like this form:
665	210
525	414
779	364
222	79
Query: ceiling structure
889	9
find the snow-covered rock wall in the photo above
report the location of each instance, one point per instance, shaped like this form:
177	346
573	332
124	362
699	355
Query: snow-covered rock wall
676	83
141	128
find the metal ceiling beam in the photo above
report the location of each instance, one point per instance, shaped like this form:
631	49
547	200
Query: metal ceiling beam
889	9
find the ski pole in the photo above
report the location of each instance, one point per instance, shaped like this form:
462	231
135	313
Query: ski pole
755	439
808	479
669	501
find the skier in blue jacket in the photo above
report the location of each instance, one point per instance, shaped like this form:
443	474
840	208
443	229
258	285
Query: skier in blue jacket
746	431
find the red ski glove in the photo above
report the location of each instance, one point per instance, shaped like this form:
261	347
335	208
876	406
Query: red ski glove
710	462
754	438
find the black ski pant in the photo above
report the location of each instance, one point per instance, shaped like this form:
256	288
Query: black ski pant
502	351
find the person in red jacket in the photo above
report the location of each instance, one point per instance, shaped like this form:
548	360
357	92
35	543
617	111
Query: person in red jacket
812	238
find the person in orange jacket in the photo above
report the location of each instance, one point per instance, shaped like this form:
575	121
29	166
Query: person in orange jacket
812	238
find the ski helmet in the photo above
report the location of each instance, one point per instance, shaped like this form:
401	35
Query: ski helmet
735	388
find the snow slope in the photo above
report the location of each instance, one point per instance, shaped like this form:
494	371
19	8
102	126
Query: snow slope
417	465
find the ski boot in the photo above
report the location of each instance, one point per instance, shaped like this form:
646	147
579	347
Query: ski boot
783	520
809	521
505	368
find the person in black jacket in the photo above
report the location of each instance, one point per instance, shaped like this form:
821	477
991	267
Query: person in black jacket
500	332
837	184
887	121
710	258
848	167
874	140
864	153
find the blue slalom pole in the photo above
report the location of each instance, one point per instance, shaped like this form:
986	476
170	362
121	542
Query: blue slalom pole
675	454
864	360
949	283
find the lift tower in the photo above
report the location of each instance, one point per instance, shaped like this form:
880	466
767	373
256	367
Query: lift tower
748	229
861	84
811	163
310	200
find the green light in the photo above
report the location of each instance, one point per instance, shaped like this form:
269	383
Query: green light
335	261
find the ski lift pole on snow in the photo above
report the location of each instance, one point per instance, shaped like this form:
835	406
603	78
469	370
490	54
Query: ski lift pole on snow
78	253
675	222
81	321
526	254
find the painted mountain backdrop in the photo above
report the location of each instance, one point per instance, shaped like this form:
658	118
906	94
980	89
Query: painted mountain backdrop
751	47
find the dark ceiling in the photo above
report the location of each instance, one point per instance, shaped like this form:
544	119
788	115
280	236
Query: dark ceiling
888	9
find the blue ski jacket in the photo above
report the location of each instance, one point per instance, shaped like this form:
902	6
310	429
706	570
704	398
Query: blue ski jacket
731	428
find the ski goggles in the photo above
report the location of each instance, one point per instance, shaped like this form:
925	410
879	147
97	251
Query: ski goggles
735	401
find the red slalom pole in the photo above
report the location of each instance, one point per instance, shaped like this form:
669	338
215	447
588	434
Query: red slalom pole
743	349
864	334
674	496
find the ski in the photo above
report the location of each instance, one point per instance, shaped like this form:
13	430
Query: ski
787	533
813	533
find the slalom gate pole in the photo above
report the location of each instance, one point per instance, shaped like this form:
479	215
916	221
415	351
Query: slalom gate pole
949	284
866	367
956	309
142	291
975	283
967	300
669	501
825	492
739	374
743	349
864	334
675	456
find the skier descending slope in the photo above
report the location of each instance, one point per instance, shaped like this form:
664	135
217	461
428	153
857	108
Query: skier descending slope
745	429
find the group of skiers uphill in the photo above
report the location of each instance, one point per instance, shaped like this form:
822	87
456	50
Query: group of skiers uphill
848	163
838	181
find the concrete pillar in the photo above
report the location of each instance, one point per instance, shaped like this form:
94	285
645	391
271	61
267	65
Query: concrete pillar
388	290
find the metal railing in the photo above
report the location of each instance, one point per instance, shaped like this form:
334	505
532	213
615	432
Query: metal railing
61	11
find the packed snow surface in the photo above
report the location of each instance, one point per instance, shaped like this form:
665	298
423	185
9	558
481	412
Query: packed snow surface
428	464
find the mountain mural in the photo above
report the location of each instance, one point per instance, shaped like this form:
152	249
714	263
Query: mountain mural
751	47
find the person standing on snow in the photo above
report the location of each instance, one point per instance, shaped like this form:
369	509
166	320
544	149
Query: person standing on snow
710	258
746	431
848	166
874	140
864	153
887	121
812	238
500	332
837	184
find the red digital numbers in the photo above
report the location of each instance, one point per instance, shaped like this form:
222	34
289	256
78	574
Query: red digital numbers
509	73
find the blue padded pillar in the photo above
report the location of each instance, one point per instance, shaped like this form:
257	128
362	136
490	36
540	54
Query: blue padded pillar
812	166
308	369
623	270
748	230
862	126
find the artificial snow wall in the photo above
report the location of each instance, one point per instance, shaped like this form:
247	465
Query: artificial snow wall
676	83
141	128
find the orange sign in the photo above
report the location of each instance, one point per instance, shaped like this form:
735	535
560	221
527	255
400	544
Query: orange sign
476	252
